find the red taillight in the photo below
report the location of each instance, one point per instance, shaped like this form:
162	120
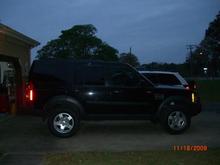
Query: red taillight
29	93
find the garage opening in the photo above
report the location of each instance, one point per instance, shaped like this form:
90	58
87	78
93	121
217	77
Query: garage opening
11	85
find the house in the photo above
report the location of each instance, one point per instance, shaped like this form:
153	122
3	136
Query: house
15	58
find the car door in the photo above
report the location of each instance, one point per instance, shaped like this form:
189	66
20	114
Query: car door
128	91
90	88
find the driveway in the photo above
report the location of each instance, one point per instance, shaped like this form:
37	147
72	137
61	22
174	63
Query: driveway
29	136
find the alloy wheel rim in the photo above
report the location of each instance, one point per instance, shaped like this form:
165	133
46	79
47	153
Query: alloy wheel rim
177	120
63	123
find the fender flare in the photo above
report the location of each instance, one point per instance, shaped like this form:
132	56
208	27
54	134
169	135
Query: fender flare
173	101
60	100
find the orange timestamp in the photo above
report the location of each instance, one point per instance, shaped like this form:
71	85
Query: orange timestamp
196	148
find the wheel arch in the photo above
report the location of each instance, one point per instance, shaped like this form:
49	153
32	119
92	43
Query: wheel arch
62	100
173	101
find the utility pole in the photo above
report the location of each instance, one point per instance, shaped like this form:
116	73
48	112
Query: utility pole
130	50
190	47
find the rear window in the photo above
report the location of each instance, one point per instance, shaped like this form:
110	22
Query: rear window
162	79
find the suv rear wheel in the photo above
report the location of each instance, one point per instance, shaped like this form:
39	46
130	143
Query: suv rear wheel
175	120
63	122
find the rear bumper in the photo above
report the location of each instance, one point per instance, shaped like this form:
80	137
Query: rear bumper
30	110
37	112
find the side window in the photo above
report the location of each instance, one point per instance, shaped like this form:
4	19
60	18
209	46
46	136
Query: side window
93	76
152	77
168	79
122	76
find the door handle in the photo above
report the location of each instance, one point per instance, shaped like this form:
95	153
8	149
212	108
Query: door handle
116	92
76	90
148	92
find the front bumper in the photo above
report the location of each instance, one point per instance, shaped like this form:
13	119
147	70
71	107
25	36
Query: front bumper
195	108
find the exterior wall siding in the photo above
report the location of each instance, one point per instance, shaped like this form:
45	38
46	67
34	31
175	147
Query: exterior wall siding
14	48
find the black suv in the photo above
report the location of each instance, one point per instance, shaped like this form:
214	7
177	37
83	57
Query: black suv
66	91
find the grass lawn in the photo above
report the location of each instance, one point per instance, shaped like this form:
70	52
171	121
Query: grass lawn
210	157
209	90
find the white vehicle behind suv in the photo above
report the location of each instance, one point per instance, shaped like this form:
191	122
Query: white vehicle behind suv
162	78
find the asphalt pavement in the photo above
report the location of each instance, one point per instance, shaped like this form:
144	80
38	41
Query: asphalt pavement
26	139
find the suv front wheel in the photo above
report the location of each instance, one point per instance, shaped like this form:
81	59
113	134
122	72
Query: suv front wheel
63	122
176	120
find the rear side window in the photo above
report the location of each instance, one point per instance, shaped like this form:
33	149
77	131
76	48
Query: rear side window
163	79
91	76
52	72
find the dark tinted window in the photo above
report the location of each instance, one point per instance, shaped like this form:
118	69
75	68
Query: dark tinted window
152	77
162	79
122	76
91	75
52	72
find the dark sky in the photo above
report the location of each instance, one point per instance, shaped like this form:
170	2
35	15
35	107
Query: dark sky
157	30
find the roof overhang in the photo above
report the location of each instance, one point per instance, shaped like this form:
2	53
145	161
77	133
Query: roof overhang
5	30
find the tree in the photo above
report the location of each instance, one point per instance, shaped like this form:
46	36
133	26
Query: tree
78	42
211	45
129	58
106	52
207	53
